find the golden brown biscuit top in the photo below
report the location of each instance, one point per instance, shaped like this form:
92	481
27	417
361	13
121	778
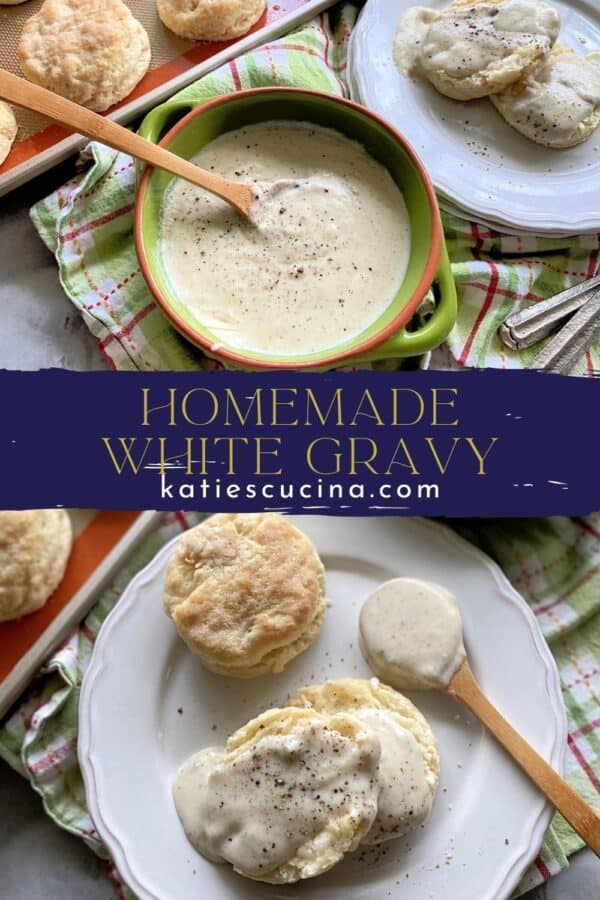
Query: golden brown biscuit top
241	586
34	547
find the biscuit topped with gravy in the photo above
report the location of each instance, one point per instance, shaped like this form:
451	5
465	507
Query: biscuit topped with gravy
409	765
288	796
474	49
246	593
558	104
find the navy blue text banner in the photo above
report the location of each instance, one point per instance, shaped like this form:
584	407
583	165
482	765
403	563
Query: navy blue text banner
429	443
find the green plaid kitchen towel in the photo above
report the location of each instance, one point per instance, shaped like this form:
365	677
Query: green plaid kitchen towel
554	563
87	224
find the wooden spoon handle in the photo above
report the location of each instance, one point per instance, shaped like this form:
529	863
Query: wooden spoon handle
567	801
84	121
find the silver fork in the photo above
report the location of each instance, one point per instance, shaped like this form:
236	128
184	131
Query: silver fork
570	343
579	304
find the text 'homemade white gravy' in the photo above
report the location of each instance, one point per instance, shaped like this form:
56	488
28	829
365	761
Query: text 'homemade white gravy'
410	633
327	252
256	811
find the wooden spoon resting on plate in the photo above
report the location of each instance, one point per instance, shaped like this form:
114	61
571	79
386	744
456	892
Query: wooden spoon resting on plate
410	634
84	121
576	811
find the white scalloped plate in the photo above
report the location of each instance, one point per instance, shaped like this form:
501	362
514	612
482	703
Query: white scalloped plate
146	704
477	161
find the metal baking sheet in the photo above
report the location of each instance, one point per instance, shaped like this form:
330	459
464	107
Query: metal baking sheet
175	63
102	542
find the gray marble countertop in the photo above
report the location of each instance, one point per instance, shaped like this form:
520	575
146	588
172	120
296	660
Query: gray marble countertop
40	329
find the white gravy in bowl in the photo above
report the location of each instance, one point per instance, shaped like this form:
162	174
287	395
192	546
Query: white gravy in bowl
326	252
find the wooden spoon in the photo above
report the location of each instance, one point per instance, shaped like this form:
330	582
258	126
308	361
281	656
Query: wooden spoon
84	121
576	811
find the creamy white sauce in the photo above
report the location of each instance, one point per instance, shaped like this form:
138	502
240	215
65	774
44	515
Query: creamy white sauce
257	810
410	633
405	795
327	255
411	31
190	784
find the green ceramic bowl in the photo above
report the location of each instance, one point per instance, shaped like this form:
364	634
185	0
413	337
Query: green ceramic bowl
385	338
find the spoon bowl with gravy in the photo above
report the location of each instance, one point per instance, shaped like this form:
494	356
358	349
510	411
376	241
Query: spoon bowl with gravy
411	636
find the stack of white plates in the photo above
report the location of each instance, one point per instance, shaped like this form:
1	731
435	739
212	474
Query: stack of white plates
481	167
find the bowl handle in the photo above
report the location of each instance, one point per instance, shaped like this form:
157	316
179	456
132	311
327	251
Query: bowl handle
434	331
159	120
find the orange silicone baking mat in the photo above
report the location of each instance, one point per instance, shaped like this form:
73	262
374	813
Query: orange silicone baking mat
171	58
93	540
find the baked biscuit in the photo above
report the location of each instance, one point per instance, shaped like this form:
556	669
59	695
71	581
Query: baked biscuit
558	104
473	49
8	130
293	792
34	548
409	764
93	52
210	20
246	593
